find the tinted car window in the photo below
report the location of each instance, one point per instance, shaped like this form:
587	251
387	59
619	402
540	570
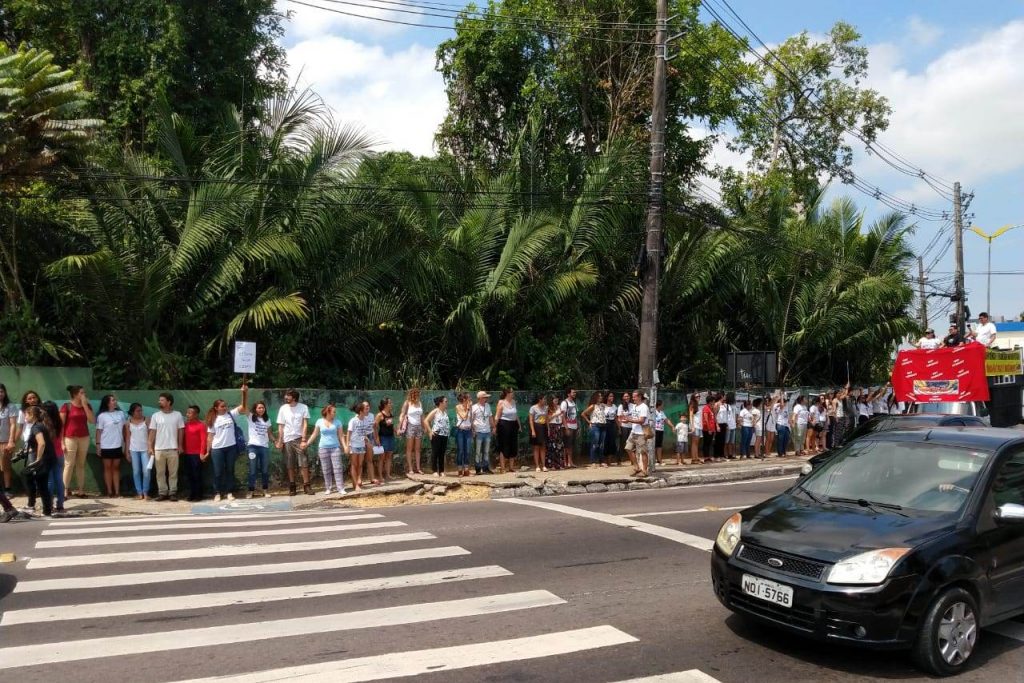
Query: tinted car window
925	477
1008	486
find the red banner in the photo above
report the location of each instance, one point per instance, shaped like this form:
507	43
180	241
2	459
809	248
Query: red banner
944	374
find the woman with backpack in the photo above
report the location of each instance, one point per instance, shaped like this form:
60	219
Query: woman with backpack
224	443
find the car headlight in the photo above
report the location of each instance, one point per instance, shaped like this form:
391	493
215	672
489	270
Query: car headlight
867	568
729	535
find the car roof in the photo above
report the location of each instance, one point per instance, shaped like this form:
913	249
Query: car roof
986	438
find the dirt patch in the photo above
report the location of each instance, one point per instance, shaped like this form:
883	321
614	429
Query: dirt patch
457	495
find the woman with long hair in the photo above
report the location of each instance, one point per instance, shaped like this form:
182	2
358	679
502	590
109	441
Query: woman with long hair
554	445
411	426
538	422
625	428
41	431
56	478
194	441
329	429
506	416
110	443
758	422
222	444
611	430
384	422
463	434
358	442
438	429
693	412
8	432
137	429
593	415
76	415
258	448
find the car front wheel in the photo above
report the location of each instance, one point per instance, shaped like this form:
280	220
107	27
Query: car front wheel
949	633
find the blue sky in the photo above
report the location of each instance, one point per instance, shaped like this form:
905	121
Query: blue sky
952	72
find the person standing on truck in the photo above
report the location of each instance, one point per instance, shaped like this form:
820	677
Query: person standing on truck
954	338
986	332
928	341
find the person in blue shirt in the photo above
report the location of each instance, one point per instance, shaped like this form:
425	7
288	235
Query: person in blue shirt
328	429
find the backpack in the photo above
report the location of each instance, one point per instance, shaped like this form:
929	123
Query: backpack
240	440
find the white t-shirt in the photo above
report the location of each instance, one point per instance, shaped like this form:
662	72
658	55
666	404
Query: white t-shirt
815	414
110	426
569	409
166	426
863	409
755	420
746	418
481	415
138	437
730	416
641	411
23	426
800	413
986	333
782	417
926	343
223	430
290	418
723	414
659	420
259	431
682	432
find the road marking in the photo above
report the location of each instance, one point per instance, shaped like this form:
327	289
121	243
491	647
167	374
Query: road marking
691	676
1009	629
203	525
186	639
706	508
90	582
164	538
135	519
422	662
671	534
195	601
222	551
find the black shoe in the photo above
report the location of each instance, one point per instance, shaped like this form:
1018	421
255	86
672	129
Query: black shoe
307	489
292	490
174	498
8	515
162	496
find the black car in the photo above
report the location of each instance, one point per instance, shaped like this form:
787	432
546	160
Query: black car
890	423
903	539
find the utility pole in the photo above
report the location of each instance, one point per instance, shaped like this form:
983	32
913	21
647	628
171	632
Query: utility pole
920	293
655	210
958	243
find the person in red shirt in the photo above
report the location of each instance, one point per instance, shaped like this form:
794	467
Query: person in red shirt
709	425
76	416
195	453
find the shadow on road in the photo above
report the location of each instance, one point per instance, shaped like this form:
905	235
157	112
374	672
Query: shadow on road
881	664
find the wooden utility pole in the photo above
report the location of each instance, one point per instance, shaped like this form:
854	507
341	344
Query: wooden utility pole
958	244
920	293
655	210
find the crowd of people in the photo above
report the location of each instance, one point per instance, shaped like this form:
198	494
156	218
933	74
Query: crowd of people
55	441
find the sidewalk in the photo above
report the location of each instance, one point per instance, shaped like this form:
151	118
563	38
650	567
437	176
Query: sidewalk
525	483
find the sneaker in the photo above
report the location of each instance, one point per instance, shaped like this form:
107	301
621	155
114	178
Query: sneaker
29	510
216	498
8	515
325	492
231	496
266	493
251	494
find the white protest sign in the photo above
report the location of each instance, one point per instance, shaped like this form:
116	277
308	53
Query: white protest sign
245	357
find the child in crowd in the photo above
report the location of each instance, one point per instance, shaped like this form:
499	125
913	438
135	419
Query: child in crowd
682	437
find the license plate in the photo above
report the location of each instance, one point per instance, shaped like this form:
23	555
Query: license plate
763	589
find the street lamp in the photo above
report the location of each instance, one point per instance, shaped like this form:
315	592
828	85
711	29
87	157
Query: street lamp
988	238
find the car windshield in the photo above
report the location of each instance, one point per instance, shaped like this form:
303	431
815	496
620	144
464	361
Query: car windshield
943	408
925	477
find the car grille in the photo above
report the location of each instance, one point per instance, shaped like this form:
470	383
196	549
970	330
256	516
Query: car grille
791	564
795	616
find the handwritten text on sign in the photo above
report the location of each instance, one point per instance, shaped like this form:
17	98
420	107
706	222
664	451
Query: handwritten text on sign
245	357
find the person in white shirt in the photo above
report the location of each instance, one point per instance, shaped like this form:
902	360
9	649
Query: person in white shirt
928	341
755	419
782	425
814	417
799	420
722	420
636	442
746	428
682	430
570	428
166	444
659	420
111	443
292	424
483	427
258	448
221	446
985	334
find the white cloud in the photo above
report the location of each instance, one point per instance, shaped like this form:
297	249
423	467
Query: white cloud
310	22
921	33
396	96
962	116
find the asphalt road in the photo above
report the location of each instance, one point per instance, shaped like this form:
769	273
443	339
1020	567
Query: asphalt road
596	588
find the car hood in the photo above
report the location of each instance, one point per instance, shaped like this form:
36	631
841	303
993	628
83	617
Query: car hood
834	531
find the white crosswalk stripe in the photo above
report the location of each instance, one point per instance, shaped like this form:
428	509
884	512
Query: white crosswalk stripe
165	538
139	578
247	524
160	585
159	519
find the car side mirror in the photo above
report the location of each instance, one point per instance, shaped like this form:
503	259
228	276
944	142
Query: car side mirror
806	469
1010	513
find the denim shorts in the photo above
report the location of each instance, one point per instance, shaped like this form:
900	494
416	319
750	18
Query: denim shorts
388	444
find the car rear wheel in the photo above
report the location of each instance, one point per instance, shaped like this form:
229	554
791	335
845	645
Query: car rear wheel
949	633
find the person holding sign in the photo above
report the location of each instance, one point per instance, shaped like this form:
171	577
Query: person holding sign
292	423
222	447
